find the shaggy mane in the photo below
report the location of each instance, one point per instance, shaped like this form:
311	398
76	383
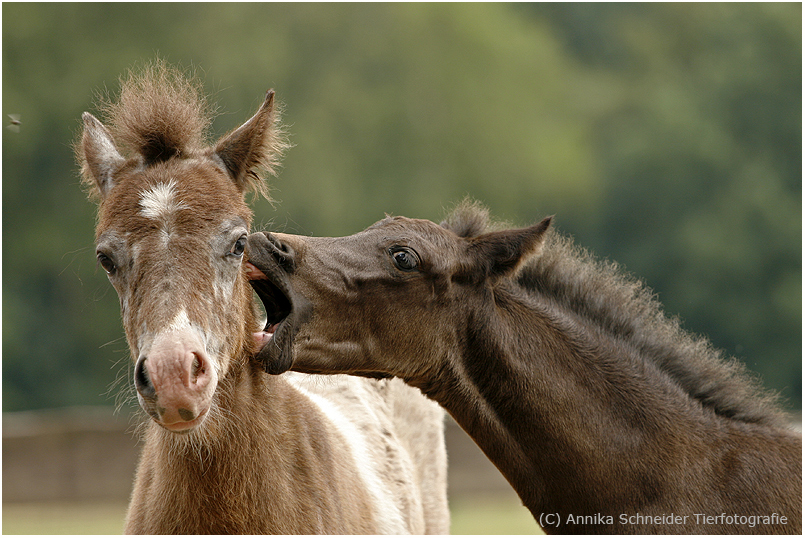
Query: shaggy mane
625	309
162	113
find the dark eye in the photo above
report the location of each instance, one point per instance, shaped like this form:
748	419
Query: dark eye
238	247
404	259
107	263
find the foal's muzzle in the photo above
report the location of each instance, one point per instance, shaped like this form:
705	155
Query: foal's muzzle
175	381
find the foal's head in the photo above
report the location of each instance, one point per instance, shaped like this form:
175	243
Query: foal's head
171	235
385	301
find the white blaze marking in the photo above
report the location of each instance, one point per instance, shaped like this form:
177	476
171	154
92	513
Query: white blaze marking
160	201
180	323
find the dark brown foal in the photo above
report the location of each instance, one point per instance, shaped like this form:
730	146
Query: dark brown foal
601	412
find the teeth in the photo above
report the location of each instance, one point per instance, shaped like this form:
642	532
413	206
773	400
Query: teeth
262	337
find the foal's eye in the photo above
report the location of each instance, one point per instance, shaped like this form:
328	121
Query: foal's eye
238	247
107	263
404	258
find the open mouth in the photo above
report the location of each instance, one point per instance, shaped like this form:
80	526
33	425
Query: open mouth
270	262
282	310
276	302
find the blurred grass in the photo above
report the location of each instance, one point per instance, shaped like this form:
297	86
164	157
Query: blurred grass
64	518
500	514
469	516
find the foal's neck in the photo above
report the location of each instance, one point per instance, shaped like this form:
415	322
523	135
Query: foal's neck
577	425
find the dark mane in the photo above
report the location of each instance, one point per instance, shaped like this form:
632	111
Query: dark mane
470	219
622	307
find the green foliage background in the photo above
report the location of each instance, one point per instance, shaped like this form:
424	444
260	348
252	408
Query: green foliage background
664	136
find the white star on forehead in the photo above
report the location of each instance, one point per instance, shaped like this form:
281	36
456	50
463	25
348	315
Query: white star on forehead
160	201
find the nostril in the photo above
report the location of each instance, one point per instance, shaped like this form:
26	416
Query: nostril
197	369
283	252
287	250
142	381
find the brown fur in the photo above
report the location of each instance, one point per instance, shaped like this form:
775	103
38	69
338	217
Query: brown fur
274	467
241	452
564	371
163	113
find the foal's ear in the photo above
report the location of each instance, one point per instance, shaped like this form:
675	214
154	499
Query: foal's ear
502	253
98	155
256	144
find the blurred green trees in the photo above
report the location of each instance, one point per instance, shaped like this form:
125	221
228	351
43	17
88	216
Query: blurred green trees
664	136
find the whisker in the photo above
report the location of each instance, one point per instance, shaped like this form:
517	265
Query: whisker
115	341
75	254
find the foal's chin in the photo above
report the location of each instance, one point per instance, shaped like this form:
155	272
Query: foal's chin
178	427
316	355
186	427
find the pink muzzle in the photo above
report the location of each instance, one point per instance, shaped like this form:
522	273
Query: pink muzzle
176	380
